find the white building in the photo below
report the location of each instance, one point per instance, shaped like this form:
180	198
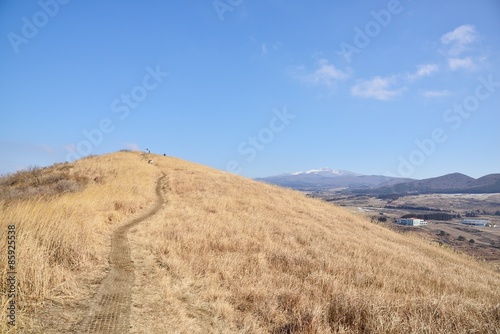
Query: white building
411	222
475	222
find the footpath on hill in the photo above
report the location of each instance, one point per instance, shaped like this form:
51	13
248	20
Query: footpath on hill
109	309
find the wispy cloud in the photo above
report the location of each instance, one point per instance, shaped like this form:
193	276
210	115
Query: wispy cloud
263	49
46	148
267	48
423	71
325	74
456	43
461	63
132	146
388	87
29	147
459	39
436	93
70	148
380	88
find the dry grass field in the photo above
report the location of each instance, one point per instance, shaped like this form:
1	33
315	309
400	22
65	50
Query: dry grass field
63	234
230	255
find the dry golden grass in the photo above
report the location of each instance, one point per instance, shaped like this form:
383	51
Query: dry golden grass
63	239
35	181
227	255
233	255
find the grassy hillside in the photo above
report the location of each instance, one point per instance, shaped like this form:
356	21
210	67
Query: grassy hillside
63	231
227	254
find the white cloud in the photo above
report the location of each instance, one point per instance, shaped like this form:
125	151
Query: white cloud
423	71
267	48
263	49
326	74
385	88
459	39
377	88
70	148
458	63
436	93
132	146
456	43
46	148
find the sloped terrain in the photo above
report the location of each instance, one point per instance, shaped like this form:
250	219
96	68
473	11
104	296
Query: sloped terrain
230	255
64	237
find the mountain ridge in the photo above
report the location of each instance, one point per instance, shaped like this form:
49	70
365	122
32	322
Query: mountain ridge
328	178
325	172
449	183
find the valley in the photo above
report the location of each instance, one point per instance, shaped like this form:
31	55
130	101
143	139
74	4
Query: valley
480	242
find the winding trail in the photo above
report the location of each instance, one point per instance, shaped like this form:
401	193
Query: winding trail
110	307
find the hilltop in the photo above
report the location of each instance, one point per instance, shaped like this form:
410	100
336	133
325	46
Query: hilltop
212	252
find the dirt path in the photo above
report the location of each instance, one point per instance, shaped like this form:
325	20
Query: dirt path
110	307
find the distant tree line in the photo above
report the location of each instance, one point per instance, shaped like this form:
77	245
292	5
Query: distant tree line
392	197
477	213
471	214
416	208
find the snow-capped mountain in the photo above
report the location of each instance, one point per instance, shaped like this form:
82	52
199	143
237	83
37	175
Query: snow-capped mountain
326	179
326	172
329	178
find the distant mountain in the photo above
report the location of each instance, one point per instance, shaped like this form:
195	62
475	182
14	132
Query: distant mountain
337	179
450	183
325	172
329	179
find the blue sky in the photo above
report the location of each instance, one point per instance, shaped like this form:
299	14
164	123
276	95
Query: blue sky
408	88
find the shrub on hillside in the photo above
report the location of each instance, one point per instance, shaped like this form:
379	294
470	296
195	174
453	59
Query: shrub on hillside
36	181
